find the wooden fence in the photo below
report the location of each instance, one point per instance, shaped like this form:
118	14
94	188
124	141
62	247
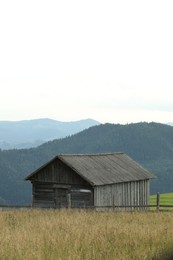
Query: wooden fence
14	207
113	207
157	206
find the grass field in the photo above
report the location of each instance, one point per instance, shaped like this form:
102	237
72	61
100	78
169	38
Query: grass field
80	235
165	199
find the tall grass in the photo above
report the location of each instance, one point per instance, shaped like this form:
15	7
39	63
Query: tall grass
80	235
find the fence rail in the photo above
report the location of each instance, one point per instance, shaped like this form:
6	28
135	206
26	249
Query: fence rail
113	207
157	206
100	208
15	207
145	206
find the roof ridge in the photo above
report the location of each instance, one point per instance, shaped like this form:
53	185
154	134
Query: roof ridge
89	154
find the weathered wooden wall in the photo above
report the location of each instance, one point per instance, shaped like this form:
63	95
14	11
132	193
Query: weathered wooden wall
51	195
122	194
58	186
43	195
58	172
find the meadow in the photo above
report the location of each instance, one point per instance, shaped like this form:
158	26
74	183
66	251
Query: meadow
165	199
80	235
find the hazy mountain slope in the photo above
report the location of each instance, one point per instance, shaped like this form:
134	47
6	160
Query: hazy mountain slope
31	133
151	144
170	123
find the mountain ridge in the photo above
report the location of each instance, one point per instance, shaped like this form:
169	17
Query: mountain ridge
31	133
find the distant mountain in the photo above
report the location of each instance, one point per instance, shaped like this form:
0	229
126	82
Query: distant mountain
31	133
150	144
170	123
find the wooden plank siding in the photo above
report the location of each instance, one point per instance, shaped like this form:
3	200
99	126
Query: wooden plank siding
58	172
49	195
43	195
82	198
122	194
54	183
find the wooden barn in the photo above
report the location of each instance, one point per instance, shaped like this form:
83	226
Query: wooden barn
90	180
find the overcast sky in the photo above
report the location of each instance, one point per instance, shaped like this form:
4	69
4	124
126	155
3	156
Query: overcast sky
68	60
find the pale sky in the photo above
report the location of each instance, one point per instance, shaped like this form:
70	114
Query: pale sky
68	60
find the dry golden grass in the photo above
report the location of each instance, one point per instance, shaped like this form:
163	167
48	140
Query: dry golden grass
79	235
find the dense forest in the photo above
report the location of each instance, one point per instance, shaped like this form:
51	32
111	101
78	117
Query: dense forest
150	144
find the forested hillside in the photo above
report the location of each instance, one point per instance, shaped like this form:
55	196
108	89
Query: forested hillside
151	144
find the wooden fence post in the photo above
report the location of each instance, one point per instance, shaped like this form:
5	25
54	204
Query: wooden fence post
113	203
158	201
69	200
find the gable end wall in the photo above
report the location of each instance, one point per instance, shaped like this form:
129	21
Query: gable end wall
58	172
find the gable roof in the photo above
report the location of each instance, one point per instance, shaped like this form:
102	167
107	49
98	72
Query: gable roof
101	169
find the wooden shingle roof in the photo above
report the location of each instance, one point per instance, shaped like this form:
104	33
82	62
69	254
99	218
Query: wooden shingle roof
101	169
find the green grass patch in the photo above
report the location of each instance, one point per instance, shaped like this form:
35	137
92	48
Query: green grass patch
165	199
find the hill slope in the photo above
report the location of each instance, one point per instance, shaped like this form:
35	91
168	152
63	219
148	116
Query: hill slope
31	133
151	144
